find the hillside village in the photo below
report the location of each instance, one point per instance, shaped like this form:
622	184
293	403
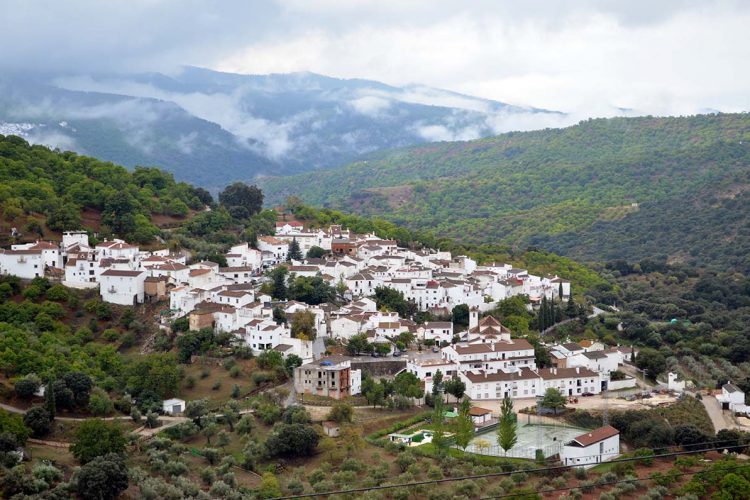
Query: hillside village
483	354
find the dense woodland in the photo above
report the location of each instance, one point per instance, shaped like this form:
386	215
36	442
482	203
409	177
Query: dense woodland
568	190
54	189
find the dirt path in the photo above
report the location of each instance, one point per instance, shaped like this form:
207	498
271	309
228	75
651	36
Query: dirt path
718	418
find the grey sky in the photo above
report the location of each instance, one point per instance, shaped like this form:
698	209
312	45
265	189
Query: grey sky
584	57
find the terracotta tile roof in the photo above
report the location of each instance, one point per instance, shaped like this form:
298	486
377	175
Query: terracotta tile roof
116	272
475	411
481	377
596	435
558	373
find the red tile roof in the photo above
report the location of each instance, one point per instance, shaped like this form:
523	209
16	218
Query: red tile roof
596	435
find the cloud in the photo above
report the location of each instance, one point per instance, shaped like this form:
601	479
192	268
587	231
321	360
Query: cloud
670	57
369	105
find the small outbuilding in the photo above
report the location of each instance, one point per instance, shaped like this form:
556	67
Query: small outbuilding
331	428
592	448
173	406
480	416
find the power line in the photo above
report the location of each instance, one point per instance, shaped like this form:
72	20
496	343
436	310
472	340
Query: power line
499	474
608	483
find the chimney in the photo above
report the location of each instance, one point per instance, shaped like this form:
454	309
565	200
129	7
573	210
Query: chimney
473	318
578	369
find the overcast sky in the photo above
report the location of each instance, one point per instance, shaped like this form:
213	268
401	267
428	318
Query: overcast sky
584	57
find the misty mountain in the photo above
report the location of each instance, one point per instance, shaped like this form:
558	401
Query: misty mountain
212	128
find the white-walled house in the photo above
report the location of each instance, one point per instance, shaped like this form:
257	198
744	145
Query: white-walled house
122	287
732	397
345	327
277	249
598	361
572	381
439	331
26	264
480	384
591	448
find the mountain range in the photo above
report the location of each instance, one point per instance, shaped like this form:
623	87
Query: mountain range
212	128
676	189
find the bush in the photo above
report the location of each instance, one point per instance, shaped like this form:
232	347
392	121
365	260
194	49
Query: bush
26	387
99	403
38	420
110	335
58	293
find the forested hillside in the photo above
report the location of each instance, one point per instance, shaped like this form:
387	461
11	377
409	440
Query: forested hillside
607	188
44	191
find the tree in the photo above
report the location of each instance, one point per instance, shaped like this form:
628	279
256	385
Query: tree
690	437
296	414
12	423
278	283
27	386
341	413
291	362
464	425
240	194
99	403
303	325
95	438
49	400
315	252
439	439
81	385
652	361
553	400
246	425
437	383
407	384
294	252
196	409
571	311
269	359
506	430
375	394
292	440
156	372
460	315
358	344
102	478
37	419
269	486
455	387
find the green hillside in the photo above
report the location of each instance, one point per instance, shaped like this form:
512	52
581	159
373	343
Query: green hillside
606	188
43	192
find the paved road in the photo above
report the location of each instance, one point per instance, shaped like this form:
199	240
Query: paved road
718	417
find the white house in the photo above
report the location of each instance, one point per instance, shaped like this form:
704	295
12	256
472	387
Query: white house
26	264
122	287
275	248
173	406
439	331
480	384
592	448
571	381
598	361
732	398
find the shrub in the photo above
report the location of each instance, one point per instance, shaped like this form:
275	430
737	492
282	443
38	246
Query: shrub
26	387
110	335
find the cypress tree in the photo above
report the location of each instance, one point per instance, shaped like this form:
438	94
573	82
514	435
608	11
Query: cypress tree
294	251
49	400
